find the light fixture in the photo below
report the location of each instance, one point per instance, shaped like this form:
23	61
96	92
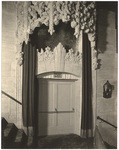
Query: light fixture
107	90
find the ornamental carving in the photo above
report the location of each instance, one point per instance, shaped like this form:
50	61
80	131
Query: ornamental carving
47	55
70	56
82	15
91	38
21	32
19	58
58	60
32	14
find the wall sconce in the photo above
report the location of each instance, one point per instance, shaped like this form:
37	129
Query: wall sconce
107	90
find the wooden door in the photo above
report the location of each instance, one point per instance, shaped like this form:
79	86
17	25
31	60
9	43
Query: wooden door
56	111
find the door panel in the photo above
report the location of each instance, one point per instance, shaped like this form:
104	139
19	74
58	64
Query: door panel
55	103
46	93
64	97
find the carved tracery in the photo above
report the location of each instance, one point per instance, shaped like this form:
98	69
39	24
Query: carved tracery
81	14
32	14
58	60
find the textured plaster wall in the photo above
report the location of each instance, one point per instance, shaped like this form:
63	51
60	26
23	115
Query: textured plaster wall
8	63
107	108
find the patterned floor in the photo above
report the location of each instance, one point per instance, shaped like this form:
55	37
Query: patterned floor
71	141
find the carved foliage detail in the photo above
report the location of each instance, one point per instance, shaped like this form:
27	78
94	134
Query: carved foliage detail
58	60
47	55
81	14
74	57
91	38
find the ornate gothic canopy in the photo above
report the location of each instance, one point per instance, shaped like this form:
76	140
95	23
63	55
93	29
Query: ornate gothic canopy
32	14
82	15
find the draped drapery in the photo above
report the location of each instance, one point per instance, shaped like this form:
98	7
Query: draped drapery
28	84
86	119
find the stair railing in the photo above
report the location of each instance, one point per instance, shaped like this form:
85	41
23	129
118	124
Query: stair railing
102	120
12	98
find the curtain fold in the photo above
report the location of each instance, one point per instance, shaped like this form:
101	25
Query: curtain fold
28	86
86	120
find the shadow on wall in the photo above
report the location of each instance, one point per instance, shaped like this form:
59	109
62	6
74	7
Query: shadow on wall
63	34
41	105
102	24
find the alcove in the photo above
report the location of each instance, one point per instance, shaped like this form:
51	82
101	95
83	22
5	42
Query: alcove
58	80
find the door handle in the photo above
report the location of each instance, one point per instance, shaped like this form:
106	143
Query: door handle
73	109
65	111
56	109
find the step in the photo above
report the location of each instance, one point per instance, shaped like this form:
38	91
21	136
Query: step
4	123
9	134
3	126
20	139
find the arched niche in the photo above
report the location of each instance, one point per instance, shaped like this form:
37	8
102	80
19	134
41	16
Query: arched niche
23	34
58	52
63	34
61	61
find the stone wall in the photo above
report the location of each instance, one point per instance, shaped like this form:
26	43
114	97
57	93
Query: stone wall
8	70
107	108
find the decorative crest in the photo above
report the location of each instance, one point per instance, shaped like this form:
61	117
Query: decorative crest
58	60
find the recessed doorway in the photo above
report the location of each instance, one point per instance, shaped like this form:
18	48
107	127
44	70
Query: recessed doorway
56	106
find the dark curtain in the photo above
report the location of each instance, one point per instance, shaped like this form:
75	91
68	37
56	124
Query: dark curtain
28	88
86	123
